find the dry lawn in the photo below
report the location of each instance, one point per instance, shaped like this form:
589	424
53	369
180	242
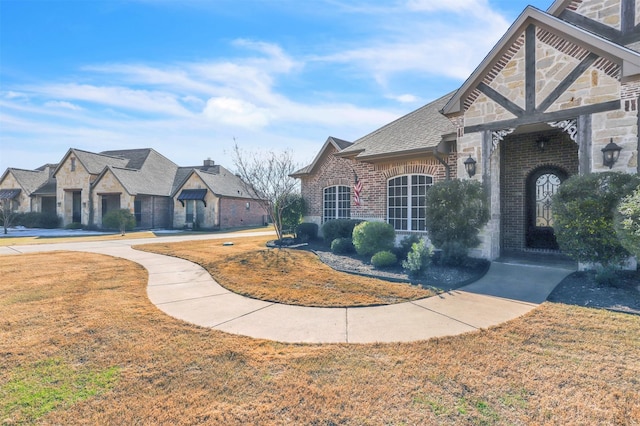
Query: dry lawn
287	276
16	241
87	315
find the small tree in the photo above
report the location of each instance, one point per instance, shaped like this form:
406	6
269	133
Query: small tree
121	219
7	213
627	223
293	213
456	211
583	216
267	180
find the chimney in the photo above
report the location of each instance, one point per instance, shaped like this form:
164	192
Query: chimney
209	162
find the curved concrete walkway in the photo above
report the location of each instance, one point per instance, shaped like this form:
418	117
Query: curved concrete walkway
186	291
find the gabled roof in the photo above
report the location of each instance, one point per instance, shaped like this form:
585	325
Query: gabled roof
417	132
222	184
338	144
155	175
627	58
136	157
92	162
29	180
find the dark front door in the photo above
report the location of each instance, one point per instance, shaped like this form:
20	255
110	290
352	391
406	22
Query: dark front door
77	207
541	186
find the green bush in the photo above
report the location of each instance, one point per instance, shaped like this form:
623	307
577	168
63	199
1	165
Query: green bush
122	220
456	210
307	231
583	215
402	250
342	246
453	253
627	223
384	259
338	228
38	220
418	259
372	237
73	225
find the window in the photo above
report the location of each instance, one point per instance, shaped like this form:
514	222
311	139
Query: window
73	164
406	202
336	203
190	204
137	211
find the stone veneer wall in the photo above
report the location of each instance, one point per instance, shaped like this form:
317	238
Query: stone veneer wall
520	157
23	200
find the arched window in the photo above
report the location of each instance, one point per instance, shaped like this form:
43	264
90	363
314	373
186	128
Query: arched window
336	203
406	202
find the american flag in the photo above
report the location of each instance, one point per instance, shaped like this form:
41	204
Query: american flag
357	189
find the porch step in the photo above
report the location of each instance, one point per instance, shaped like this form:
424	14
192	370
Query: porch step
548	258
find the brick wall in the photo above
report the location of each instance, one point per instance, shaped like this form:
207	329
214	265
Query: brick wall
234	213
520	157
333	171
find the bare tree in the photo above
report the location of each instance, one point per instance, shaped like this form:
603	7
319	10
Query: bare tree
7	213
266	176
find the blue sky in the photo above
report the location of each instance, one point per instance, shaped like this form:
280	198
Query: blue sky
189	77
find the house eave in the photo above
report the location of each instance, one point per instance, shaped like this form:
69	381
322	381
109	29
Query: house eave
627	58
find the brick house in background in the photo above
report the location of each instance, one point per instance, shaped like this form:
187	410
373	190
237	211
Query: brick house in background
557	89
210	196
85	186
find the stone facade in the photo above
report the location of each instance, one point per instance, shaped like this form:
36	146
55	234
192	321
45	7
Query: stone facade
22	203
72	178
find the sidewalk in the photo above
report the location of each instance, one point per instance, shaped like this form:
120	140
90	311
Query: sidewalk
186	291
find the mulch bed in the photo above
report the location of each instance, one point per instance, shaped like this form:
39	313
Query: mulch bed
581	289
438	277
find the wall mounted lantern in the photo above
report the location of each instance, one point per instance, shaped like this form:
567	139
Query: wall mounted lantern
542	142
610	154
470	166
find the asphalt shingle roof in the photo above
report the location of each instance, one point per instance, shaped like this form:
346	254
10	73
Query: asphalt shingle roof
30	180
420	129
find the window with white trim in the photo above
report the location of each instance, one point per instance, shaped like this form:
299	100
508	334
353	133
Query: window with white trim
406	202
336	203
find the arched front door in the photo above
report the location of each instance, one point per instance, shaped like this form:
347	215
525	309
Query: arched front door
542	184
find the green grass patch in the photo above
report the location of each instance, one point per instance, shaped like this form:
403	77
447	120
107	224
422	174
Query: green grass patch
34	391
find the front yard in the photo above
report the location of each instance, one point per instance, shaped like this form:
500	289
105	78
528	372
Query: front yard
81	344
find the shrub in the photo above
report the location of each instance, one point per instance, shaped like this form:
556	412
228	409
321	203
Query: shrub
121	220
456	210
342	246
403	249
307	231
338	228
294	208
372	237
418	259
453	253
384	259
583	215
38	220
627	223
73	225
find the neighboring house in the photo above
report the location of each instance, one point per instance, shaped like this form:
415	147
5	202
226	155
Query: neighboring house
212	197
29	190
85	186
558	91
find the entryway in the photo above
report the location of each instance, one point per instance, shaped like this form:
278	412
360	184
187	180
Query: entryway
533	165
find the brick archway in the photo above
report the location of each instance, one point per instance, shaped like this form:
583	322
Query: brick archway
520	156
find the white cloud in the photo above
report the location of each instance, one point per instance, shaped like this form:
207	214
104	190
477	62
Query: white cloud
62	105
235	112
